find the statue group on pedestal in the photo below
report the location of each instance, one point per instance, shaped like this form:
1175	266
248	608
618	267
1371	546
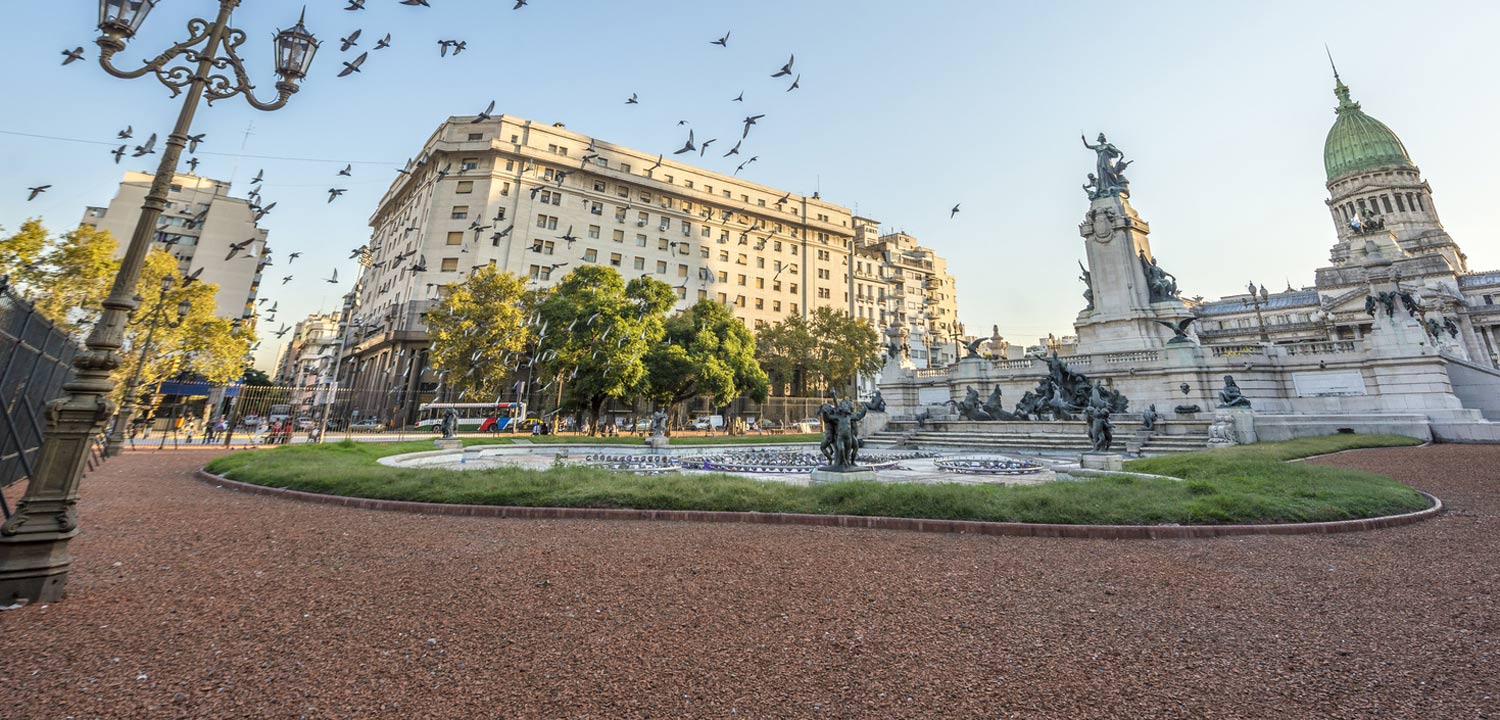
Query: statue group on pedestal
1386	300
1162	284
1108	177
1088	286
1064	393
659	423
1230	396
972	408
840	446
450	424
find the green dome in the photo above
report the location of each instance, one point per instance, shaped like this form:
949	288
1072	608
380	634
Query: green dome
1358	142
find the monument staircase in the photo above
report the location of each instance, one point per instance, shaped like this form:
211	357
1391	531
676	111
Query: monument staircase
1032	437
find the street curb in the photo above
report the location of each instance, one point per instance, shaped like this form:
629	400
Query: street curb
973	527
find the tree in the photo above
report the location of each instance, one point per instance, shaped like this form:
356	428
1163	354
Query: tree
201	345
847	346
706	351
476	329
21	256
829	350
786	351
594	331
79	270
254	377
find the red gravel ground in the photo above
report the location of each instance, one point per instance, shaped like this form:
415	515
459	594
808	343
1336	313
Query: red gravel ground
188	601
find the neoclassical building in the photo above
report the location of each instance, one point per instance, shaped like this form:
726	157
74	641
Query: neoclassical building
1376	195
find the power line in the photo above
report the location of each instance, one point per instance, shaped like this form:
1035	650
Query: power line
206	152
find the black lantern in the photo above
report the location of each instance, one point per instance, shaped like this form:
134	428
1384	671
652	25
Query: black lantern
294	51
123	17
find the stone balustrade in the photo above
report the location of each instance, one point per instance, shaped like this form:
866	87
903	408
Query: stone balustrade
1331	347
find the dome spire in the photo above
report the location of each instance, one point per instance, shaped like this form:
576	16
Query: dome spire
1340	90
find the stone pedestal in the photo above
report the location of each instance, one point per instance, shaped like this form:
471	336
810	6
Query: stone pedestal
1101	461
830	474
656	442
1123	318
874	422
448	443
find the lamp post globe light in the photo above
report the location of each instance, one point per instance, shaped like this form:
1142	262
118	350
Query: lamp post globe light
34	558
152	321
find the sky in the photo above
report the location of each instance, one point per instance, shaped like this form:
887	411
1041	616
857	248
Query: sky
904	110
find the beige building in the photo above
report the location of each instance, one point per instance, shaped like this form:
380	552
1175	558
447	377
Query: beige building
897	280
539	200
307	358
200	223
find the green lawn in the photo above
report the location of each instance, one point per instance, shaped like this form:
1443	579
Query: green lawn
1248	484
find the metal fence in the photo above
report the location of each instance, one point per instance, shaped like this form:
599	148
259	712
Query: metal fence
36	359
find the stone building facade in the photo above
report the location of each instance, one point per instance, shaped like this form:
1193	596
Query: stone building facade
200	223
539	200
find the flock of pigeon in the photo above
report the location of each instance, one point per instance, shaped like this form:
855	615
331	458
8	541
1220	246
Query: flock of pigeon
446	48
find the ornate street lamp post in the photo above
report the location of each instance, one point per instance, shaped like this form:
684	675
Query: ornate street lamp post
1259	301
34	557
132	386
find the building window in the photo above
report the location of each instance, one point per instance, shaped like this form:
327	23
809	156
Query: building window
591	255
614	259
455	238
1386	201
703	252
464	187
475	136
460	212
741	280
504	188
775	306
500	213
450	264
625	167
723	276
469	164
594	231
619	236
760	303
760	283
640	263
599	186
596	208
682	271
661	267
662	244
640	241
1400	206
546	222
620	214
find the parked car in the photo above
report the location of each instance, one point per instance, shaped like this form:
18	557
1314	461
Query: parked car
250	421
811	422
305	423
367	425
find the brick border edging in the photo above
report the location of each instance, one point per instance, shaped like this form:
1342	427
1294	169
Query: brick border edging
975	527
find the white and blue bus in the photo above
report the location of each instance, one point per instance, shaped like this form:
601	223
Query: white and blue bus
482	417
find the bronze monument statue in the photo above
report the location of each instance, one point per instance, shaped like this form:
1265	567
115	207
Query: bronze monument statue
1109	170
1231	396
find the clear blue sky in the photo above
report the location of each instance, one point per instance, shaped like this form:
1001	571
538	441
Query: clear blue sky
905	109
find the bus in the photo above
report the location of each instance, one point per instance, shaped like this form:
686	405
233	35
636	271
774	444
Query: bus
483	417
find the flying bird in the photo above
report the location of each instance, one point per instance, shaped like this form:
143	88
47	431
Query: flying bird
35	191
348	170
954	212
125	134
192	165
703	149
193	141
260	175
568	236
292	257
237	248
519	4
657	165
71	56
689	147
333	280
353	67
723	41
119	152
749	121
192	277
282	332
796	83
734	150
335	192
349	42
384	42
415	3
634	99
286	279
485	115
356	5
148	149
787	68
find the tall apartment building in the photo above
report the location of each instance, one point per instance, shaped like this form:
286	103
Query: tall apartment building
200	223
540	200
302	361
897	280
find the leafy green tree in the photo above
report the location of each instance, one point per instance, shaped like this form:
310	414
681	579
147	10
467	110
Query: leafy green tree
21	256
706	351
199	343
786	351
594	330
79	270
847	347
828	350
477	327
255	378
